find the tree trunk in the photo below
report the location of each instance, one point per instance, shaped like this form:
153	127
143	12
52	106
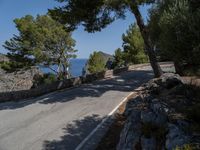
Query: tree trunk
143	29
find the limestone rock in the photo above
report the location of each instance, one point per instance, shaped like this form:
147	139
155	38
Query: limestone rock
130	136
16	81
171	80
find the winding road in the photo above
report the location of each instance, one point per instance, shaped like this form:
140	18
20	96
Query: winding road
61	120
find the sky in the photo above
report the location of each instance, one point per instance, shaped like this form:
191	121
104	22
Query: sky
108	40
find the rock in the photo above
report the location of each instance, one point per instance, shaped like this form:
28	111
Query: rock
130	135
148	143
175	137
171	80
166	81
132	103
153	88
157	119
16	81
148	98
183	125
159	107
148	116
161	119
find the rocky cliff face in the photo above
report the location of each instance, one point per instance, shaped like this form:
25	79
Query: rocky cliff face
16	81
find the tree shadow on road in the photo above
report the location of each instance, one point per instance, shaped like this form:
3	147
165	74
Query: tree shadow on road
124	82
74	133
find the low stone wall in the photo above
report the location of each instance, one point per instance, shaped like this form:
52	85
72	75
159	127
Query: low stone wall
44	89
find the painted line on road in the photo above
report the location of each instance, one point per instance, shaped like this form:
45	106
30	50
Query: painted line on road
104	120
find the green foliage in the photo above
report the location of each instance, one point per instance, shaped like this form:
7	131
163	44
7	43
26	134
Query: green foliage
5	66
13	66
42	41
92	14
96	63
133	45
175	30
185	147
43	79
118	58
49	78
95	15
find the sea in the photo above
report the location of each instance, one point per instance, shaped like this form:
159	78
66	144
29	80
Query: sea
75	69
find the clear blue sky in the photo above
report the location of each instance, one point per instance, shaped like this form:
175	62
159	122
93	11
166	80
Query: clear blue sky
108	40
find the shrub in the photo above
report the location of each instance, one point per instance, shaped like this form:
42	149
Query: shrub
96	63
43	79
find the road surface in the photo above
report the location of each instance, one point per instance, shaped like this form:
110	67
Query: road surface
61	120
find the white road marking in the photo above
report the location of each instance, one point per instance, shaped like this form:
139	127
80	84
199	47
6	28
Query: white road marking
104	120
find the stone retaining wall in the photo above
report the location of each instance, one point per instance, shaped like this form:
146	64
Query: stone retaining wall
44	89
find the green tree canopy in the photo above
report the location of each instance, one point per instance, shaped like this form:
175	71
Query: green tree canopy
96	63
41	41
175	30
97	14
119	58
133	45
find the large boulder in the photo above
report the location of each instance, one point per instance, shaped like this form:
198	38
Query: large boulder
130	136
157	119
170	80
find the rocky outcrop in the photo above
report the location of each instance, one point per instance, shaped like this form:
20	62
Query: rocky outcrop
3	58
149	125
19	80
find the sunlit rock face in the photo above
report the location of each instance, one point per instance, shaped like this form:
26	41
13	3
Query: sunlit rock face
17	81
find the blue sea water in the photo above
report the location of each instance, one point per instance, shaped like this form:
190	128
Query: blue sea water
76	67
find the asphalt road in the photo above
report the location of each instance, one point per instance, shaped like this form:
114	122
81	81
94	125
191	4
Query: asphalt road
61	120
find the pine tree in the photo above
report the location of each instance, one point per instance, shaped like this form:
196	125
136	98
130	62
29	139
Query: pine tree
134	47
175	30
41	41
96	63
119	58
97	14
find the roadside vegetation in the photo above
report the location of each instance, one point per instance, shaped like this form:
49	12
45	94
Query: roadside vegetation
175	32
96	63
133	49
